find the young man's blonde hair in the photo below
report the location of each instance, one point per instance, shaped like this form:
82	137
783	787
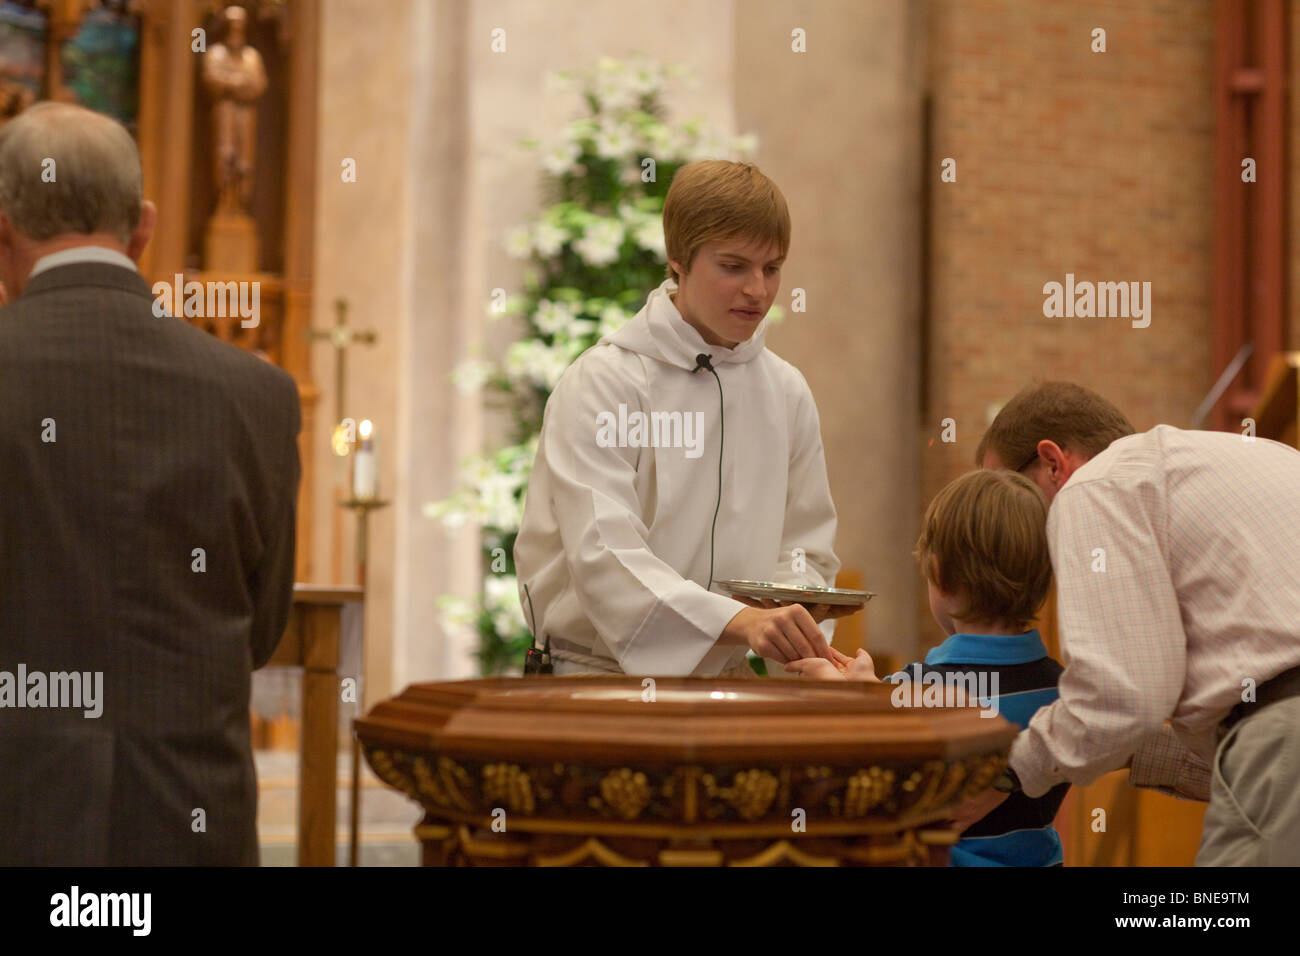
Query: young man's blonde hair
987	531
716	200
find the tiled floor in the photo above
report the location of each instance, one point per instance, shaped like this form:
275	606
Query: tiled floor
387	817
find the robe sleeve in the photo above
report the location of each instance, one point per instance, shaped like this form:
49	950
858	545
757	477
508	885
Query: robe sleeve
652	619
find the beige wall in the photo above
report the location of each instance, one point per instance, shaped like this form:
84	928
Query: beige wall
365	104
839	128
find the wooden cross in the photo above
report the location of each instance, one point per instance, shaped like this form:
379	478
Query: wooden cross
342	337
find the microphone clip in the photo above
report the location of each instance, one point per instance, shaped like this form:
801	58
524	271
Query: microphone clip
538	660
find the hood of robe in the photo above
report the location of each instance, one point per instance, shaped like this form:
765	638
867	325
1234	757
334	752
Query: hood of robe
659	332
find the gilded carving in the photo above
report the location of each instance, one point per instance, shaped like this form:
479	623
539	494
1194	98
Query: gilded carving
626	792
751	793
783	851
556	791
506	783
382	762
430	785
455	782
866	790
984	769
589	849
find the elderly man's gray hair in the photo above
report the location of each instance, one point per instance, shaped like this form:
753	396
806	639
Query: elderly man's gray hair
93	184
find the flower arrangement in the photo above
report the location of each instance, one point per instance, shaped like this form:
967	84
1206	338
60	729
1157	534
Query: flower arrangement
594	252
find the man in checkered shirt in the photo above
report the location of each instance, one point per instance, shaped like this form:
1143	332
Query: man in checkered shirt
1177	562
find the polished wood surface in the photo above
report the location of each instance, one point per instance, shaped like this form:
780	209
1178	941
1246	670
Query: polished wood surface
679	771
1278	411
311	641
1249	277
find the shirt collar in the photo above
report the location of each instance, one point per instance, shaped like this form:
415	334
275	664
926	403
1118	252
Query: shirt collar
78	254
989	649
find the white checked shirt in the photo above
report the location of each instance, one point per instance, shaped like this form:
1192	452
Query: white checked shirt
1198	534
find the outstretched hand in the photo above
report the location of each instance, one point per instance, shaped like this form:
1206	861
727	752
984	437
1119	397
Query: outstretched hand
860	668
783	634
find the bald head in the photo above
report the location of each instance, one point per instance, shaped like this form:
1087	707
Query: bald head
68	177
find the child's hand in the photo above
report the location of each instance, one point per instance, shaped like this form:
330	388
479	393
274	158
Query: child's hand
818	668
862	668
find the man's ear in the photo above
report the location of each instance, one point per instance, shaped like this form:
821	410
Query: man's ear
143	231
1058	463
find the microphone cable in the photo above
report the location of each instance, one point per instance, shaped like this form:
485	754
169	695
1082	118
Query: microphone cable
703	361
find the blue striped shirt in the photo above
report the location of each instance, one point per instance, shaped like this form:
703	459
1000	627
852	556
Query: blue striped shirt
1019	831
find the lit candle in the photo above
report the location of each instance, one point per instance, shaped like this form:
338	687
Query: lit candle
365	465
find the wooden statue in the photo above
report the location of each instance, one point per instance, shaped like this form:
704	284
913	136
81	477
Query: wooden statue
235	78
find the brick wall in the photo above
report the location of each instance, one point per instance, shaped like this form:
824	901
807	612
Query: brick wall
1068	161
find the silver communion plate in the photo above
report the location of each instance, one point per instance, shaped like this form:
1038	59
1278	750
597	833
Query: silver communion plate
792	594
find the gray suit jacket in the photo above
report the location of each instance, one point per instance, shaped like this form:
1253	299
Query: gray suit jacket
148	480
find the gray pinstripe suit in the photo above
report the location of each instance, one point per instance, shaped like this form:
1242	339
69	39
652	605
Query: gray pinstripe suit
165	441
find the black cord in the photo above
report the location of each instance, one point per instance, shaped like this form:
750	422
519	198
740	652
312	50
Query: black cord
704	361
537	660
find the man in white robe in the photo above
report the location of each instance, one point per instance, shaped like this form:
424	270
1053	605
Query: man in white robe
619	541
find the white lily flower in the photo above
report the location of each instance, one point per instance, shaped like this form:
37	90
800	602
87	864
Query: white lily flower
614	142
549	239
471	375
552	317
559	157
650	236
600	242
